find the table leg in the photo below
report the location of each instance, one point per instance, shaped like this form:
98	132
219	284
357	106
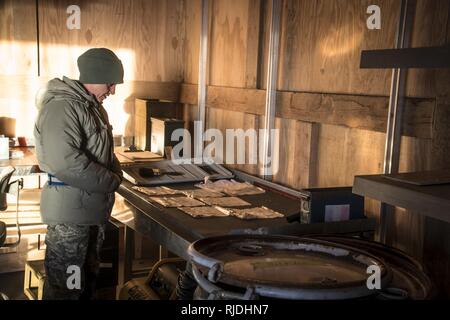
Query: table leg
126	239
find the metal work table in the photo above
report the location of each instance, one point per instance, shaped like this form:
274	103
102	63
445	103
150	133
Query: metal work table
175	231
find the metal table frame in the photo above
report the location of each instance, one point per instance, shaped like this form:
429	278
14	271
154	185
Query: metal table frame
154	223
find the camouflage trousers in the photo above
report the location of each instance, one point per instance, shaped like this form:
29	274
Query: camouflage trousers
72	251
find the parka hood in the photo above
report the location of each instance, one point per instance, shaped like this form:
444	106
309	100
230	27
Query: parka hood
65	89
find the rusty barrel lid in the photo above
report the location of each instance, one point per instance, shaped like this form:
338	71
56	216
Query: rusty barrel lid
287	267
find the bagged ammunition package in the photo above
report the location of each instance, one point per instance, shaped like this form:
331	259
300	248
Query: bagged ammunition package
175	202
202	193
156	191
205	211
232	187
256	213
226	202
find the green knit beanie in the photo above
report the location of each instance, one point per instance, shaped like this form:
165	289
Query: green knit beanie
100	66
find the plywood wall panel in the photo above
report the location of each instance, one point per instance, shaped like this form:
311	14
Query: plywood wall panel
192	40
223	120
18	64
437	235
253	44
233	62
234	36
437	255
147	35
18	47
322	41
331	144
264	37
159	39
296	152
190	114
408	233
428	31
320	48
285	151
415	154
344	153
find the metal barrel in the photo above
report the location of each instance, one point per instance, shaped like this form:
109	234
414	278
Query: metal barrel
409	280
247	267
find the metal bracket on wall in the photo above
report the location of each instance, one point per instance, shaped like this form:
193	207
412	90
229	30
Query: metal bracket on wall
396	103
202	70
271	90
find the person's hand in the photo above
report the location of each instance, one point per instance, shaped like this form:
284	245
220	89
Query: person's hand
118	180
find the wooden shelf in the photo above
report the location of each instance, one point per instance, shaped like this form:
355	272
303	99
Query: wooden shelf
432	200
425	57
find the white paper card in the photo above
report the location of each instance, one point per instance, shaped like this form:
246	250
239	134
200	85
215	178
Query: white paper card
4	148
337	213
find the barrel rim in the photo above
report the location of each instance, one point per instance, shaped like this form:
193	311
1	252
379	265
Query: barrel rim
215	270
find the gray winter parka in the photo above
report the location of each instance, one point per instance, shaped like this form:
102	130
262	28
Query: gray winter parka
74	143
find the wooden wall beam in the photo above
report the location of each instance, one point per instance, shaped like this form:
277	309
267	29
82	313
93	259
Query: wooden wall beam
353	111
149	89
26	86
188	94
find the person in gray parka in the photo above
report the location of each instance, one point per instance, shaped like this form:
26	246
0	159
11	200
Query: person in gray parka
74	146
